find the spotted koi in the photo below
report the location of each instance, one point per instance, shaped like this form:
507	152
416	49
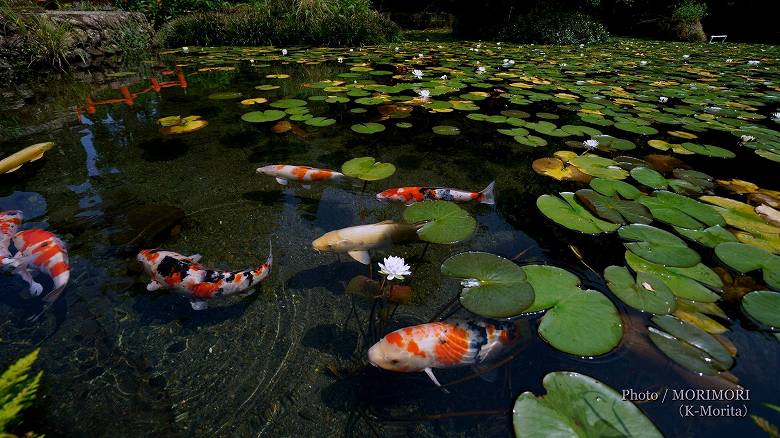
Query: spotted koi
45	252
304	174
410	195
442	345
185	275
9	223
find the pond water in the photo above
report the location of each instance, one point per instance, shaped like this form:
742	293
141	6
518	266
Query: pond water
290	359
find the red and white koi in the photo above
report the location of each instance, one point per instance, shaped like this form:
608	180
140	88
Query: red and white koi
284	173
9	223
442	345
410	195
185	275
42	251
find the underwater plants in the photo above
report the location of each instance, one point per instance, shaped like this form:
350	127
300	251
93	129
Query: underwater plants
18	389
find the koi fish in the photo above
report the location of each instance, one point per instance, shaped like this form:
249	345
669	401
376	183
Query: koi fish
9	222
45	252
357	241
442	345
410	195
286	172
185	275
26	155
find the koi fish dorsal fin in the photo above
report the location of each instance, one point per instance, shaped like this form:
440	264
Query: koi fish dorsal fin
361	256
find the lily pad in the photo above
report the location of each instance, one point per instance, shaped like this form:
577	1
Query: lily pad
580	322
557	169
598	167
183	126
709	151
288	103
684	283
570	214
763	306
709	237
658	246
577	405
368	128
225	95
721	359
445	221
615	210
683	353
367	169
681	211
746	258
446	130
612	187
493	286
320	122
647	293
263	116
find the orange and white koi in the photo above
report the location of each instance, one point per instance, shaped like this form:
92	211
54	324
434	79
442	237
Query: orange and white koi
42	251
410	195
185	275
442	344
284	173
9	223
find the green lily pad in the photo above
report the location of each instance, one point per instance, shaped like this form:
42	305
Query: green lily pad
684	283
320	121
615	210
288	103
613	143
263	116
403	125
370	101
709	237
636	129
493	286
446	130
763	306
598	167
367	169
681	211
368	128
613	187
225	95
689	333
570	214
658	246
647	293
530	140
651	178
573	313
708	150
578	406
746	258
445	221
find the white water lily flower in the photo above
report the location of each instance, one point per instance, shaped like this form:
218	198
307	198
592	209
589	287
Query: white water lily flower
427	40
418	74
394	267
396	49
509	62
351	50
663	99
340	59
747	138
251	61
754	62
776	117
424	93
580	82
419	55
480	70
643	63
730	60
563	64
443	77
284	52
591	144
185	49
686	56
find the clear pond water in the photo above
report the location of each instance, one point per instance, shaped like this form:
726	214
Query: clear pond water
290	359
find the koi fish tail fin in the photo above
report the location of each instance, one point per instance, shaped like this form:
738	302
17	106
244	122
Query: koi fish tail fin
262	272
54	294
488	196
60	283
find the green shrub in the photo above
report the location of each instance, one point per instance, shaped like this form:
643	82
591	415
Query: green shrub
548	26
690	10
280	22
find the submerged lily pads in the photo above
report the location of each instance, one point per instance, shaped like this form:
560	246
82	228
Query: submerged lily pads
445	222
658	246
367	169
288	103
746	258
225	95
263	116
446	130
493	286
577	405
647	293
763	306
580	322
569	213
